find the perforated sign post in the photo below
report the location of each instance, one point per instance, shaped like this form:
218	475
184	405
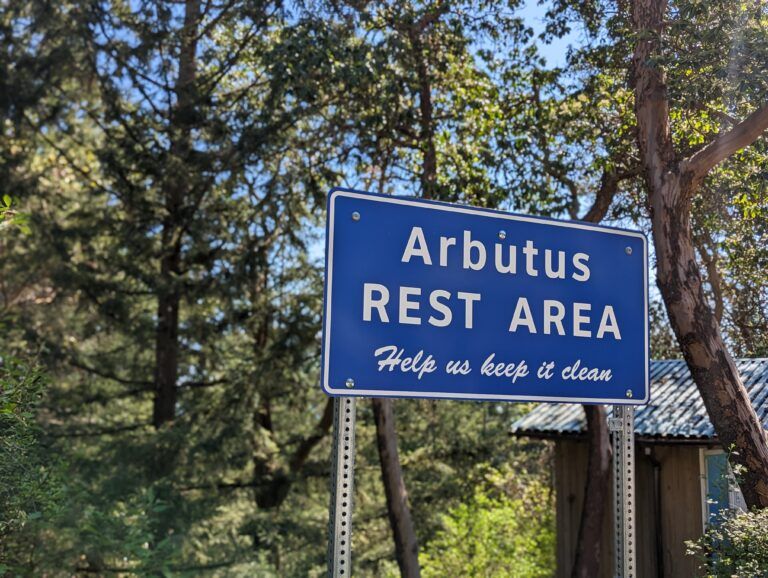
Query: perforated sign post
434	300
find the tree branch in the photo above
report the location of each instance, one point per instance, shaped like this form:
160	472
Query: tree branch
740	136
101	432
430	17
651	98
305	447
272	490
702	240
609	185
109	375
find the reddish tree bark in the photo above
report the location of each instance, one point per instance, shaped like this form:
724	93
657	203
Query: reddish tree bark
672	182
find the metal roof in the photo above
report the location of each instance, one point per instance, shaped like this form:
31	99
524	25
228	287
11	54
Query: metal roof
676	409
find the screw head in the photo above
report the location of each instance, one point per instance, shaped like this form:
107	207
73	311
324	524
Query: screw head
502	234
628	250
350	382
355	216
629	393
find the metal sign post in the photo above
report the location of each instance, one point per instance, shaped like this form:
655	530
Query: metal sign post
342	487
622	427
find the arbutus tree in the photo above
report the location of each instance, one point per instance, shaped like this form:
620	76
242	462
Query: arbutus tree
673	179
713	88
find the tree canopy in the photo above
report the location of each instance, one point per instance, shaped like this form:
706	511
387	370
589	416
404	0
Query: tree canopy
163	173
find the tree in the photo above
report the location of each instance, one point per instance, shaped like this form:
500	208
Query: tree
179	214
701	100
400	520
673	180
728	218
429	124
33	62
176	192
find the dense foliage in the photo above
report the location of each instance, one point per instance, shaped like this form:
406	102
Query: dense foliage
28	485
163	176
735	545
504	529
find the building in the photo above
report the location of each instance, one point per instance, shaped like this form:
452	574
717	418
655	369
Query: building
681	472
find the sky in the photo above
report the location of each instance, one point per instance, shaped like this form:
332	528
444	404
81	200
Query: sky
533	14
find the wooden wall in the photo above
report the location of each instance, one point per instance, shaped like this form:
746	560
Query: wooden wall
570	477
681	508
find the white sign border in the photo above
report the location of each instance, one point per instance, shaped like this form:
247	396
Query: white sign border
422	203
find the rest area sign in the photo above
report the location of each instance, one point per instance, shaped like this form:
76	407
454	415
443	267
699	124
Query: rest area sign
435	300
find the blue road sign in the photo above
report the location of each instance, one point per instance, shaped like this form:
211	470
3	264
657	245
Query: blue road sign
434	300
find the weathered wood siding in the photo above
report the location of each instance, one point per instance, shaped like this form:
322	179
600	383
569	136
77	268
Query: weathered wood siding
681	506
681	513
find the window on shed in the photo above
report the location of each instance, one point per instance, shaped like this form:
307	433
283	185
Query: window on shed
721	492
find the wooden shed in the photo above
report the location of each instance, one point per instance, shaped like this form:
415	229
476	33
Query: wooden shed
681	472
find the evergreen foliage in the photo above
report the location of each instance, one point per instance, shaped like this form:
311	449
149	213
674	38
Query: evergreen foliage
163	171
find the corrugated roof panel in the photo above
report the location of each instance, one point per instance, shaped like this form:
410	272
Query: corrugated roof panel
676	409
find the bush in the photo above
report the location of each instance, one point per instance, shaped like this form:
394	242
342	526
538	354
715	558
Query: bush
29	486
498	533
736	545
22	487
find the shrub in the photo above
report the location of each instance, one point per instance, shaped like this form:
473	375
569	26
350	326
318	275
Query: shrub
736	545
22	477
29	483
496	533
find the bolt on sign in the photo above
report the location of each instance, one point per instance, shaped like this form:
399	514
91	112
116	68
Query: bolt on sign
435	300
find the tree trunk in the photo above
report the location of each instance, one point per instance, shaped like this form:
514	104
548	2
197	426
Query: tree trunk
596	495
427	136
700	338
406	546
590	538
671	185
274	475
175	190
428	175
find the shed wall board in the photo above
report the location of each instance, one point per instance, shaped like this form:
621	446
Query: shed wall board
681	508
570	478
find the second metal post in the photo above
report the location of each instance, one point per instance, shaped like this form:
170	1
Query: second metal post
623	441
